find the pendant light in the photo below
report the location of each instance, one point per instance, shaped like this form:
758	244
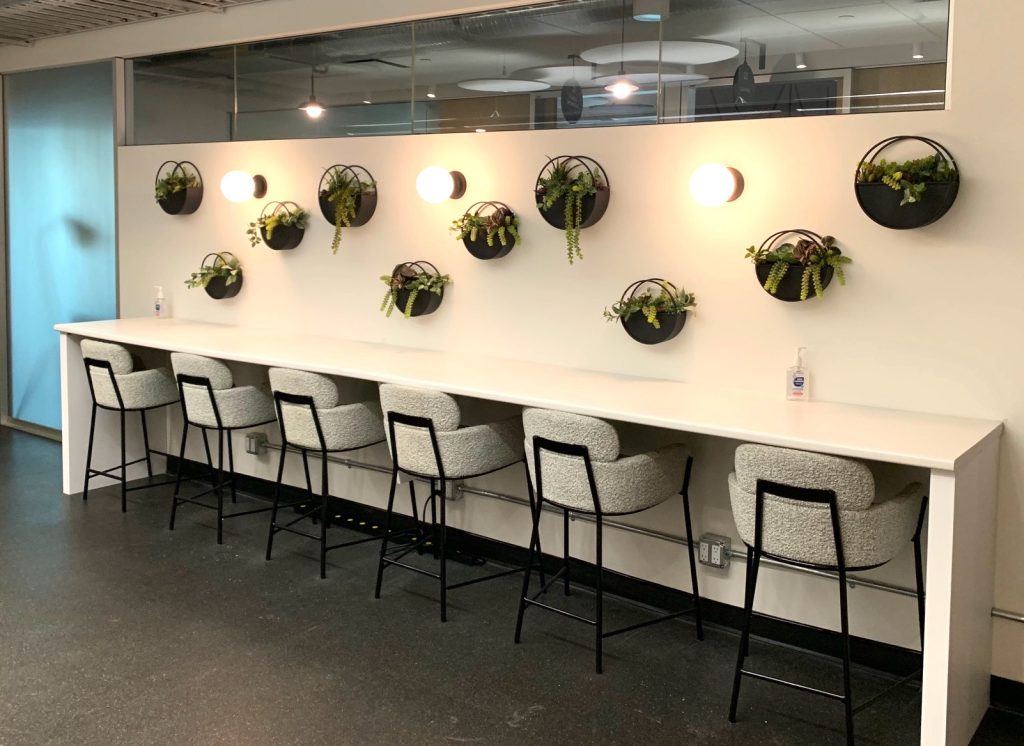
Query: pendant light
312	107
622	87
743	81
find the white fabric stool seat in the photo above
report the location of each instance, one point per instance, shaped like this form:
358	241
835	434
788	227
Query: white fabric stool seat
239	406
345	427
140	389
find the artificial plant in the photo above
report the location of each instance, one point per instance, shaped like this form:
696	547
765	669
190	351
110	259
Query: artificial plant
650	303
912	177
498	225
810	255
575	185
176	179
224	265
407	278
297	218
343	190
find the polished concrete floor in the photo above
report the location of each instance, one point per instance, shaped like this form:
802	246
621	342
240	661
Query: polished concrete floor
114	630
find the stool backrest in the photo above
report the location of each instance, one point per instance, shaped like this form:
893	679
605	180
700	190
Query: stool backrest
198	377
297	397
105	361
851	481
600	437
414	418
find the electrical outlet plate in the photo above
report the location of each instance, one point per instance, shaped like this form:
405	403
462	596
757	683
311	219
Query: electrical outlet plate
713	550
256	443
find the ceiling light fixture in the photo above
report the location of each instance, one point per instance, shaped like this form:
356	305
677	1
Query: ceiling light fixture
622	87
801	64
917	52
435	184
367	99
650	11
714	184
240	186
312	107
432	92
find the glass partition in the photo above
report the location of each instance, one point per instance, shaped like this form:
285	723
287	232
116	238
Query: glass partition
571	63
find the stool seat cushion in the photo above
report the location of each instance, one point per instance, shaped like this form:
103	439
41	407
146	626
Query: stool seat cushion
140	389
465	451
345	426
803	532
241	406
626	485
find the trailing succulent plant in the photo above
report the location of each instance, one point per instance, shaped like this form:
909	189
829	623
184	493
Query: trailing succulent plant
563	179
175	180
223	265
297	218
650	303
912	177
343	190
499	225
811	256
408	278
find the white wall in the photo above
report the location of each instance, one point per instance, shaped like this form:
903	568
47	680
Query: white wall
927	322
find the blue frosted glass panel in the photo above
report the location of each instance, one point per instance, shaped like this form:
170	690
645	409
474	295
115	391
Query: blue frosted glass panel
61	223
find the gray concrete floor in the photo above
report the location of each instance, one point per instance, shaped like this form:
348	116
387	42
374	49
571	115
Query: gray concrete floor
114	630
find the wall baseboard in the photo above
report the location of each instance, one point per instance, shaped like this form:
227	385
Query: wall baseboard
891	659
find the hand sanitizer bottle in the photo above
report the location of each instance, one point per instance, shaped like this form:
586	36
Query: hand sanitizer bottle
160	304
798	383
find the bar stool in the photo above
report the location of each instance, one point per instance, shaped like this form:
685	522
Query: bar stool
576	466
312	419
115	385
432	438
822	512
211	401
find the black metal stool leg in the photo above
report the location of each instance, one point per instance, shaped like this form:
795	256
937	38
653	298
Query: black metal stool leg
177	478
324	502
748	612
277	500
845	627
387	530
88	453
309	483
443	554
919	574
565	549
231	466
693	567
145	443
535	518
599	619
220	487
124	467
433	519
535	532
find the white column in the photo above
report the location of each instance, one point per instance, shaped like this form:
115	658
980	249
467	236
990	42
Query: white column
960	574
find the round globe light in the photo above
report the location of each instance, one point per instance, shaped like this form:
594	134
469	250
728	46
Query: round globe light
435	184
239	186
714	184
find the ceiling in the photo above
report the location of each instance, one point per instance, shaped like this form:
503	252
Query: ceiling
23	22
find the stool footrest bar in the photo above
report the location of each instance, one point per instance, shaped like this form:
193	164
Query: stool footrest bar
792	685
569	614
648	623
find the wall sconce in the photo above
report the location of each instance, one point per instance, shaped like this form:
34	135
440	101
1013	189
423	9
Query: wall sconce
714	184
435	184
239	186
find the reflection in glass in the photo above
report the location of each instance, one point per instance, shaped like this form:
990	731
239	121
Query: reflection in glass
571	63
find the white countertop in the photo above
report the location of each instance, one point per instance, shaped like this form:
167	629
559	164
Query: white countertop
915	439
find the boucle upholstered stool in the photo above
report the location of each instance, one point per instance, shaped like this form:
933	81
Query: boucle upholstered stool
211	401
432	438
575	465
822	512
312	418
115	385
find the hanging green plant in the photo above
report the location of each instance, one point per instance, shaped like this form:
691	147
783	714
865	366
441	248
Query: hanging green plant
572	194
815	257
488	230
178	189
652	311
408	283
219	274
287	220
911	177
348	198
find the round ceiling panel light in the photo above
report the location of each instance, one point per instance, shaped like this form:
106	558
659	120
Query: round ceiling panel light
672	52
651	78
503	85
557	74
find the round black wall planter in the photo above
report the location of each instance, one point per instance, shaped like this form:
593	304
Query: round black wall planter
638	328
218	289
594	205
426	302
479	247
366	202
881	203
789	285
186	201
283	238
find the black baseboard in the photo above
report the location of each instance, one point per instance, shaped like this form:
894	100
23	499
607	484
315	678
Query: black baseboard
873	654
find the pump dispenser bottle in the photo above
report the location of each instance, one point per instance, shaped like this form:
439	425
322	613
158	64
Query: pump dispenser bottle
798	383
160	304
